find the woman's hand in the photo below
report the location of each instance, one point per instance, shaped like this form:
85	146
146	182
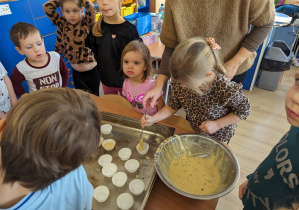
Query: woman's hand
233	64
150	97
242	188
231	68
209	127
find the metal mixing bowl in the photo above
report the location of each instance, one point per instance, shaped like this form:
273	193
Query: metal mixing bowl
201	147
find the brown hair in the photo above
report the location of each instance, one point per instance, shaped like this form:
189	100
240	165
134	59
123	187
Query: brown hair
77	2
192	59
48	133
22	30
140	47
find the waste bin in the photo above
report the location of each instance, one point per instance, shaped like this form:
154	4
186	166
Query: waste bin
277	59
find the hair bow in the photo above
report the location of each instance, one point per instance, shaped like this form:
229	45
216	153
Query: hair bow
213	45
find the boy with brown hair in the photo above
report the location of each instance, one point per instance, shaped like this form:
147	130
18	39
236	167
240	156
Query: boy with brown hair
40	69
45	138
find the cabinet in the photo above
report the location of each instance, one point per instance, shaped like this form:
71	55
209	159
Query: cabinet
145	8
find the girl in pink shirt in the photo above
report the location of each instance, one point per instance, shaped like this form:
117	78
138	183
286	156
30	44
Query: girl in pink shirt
136	65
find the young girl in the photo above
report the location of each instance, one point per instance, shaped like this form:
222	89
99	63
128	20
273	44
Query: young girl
7	93
136	65
213	104
109	36
72	29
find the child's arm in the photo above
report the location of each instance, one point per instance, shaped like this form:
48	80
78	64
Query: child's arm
161	103
164	113
210	127
16	79
238	103
12	96
64	72
89	12
49	8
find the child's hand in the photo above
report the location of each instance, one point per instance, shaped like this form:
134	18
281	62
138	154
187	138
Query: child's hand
242	188
148	121
209	127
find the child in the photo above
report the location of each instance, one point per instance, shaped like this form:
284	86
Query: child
7	93
43	149
136	65
40	69
109	36
72	29
213	104
275	181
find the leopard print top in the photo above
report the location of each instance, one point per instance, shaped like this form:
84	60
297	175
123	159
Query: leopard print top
71	38
222	98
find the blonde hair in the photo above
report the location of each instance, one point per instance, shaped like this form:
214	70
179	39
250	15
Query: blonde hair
96	29
140	47
47	134
192	59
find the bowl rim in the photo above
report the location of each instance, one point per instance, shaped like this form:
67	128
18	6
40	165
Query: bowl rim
201	197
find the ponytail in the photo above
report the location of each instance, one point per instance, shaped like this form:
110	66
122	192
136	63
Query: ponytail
96	29
219	67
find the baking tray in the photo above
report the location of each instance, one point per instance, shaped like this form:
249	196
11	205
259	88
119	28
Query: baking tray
126	132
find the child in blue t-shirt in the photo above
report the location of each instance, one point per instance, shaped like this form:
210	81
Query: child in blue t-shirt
275	182
42	150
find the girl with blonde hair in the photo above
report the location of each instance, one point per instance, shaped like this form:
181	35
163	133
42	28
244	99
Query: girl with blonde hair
109	36
213	104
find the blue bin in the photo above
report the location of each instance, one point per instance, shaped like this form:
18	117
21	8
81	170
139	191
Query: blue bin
142	21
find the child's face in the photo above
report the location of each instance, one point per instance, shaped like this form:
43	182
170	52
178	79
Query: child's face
134	65
72	13
109	7
292	102
33	47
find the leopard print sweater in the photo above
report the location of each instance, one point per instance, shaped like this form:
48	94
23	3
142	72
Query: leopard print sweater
71	38
222	98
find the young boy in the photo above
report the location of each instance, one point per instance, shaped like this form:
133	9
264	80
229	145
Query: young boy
275	183
40	69
45	138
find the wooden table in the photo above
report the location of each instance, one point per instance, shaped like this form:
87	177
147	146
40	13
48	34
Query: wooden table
161	196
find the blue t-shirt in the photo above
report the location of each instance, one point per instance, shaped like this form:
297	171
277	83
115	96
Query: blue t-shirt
275	182
73	191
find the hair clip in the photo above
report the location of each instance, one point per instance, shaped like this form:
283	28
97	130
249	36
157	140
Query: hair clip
212	43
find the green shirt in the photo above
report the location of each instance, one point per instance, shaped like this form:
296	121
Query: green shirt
274	183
